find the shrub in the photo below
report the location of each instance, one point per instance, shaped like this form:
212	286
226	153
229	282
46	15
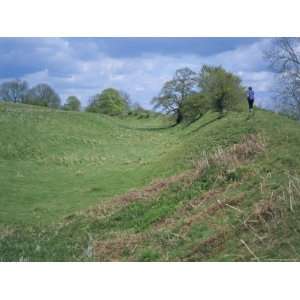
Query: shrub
195	106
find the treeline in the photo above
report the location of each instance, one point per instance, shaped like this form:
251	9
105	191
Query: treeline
18	91
187	96
110	101
114	102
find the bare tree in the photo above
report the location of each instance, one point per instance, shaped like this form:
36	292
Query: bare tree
175	92
284	58
14	90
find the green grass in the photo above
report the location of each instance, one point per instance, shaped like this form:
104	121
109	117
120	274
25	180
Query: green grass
55	167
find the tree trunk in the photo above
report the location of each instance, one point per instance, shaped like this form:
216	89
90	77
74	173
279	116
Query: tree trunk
179	116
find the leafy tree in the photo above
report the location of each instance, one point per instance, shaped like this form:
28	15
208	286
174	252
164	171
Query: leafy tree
174	92
222	88
110	102
284	58
44	95
14	90
72	103
195	106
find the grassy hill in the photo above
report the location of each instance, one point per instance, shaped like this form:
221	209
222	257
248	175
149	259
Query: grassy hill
81	186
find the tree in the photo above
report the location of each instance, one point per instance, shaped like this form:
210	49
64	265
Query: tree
110	102
222	88
174	92
44	95
284	58
72	103
14	90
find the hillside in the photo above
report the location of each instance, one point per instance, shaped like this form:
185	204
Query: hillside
82	186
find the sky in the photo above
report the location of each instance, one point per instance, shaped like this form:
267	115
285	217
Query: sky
138	66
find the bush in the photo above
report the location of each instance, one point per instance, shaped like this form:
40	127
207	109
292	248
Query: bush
195	106
138	111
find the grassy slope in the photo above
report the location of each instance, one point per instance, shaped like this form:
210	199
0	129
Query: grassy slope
54	163
71	161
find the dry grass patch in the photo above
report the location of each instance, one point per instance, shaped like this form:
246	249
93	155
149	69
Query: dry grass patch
233	156
118	246
271	211
207	247
6	232
269	220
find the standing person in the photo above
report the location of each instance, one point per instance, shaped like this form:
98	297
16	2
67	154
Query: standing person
250	97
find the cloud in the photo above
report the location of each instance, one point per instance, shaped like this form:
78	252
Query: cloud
84	67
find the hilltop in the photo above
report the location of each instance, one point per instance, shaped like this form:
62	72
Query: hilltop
84	186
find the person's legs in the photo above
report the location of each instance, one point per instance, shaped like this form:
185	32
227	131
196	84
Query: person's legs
251	105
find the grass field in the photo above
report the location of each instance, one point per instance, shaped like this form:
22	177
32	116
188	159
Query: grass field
87	187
